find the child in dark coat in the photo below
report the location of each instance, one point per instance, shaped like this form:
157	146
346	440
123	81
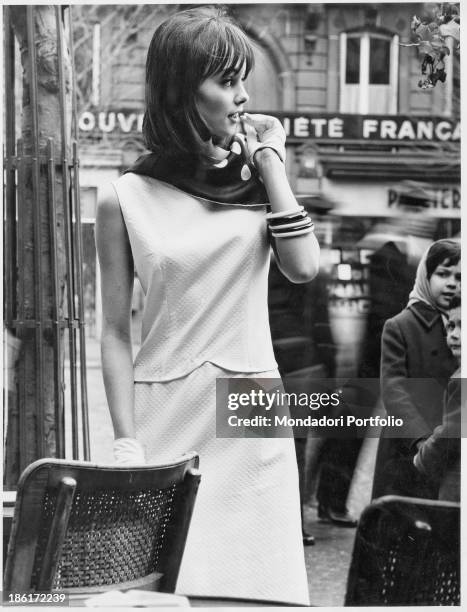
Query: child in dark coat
438	458
416	365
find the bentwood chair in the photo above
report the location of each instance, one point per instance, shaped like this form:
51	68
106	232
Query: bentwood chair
81	527
406	552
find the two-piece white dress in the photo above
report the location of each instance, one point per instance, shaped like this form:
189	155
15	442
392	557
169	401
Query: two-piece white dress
204	267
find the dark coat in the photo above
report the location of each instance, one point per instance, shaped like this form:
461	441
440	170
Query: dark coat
390	282
416	365
439	457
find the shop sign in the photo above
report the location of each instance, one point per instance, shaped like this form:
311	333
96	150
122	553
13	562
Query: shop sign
443	198
367	127
389	128
394	199
111	121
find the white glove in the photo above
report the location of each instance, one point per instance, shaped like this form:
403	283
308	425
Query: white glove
264	132
128	451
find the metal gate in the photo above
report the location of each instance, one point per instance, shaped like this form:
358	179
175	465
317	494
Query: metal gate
46	412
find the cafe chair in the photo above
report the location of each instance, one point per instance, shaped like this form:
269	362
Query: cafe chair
406	552
79	527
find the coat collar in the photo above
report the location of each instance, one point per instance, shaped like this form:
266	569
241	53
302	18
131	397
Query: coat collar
427	315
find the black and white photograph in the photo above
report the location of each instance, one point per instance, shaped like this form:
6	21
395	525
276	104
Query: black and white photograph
232	304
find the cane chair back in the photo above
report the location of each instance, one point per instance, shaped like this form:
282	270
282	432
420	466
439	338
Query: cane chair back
406	552
80	527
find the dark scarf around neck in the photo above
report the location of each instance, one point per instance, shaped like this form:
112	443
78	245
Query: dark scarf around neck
223	185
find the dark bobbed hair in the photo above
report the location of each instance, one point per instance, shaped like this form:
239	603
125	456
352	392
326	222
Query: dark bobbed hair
187	48
455	302
442	251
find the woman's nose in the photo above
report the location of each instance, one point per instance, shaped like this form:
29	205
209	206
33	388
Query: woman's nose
241	95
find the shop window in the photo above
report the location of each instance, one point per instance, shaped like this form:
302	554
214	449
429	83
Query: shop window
369	73
352	64
380	60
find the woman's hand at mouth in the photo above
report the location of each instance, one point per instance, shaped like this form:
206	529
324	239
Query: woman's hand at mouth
264	131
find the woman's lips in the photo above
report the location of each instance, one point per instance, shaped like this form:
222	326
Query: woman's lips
235	117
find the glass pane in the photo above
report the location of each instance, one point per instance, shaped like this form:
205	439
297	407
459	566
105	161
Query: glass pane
379	61
352	69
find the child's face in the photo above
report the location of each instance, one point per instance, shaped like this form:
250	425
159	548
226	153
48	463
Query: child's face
445	283
453	331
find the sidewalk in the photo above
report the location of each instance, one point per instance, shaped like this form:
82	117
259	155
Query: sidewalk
328	561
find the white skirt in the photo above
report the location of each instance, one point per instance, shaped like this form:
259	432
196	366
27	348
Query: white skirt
245	536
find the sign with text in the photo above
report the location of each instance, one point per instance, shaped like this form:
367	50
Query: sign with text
385	128
367	127
446	198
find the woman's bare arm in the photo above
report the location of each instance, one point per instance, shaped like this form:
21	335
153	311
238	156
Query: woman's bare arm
298	256
117	274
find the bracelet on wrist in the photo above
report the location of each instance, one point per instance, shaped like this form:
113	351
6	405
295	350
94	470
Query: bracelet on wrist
289	223
285	213
293	233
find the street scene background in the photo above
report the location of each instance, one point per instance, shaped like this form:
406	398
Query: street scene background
369	98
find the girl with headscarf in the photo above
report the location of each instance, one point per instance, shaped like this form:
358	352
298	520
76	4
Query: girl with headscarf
416	365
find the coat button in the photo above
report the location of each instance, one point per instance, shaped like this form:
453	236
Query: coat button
434	352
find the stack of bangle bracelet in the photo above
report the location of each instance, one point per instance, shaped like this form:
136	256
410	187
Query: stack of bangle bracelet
289	223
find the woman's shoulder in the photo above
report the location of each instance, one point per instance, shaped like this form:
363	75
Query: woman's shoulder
110	226
107	202
144	185
132	179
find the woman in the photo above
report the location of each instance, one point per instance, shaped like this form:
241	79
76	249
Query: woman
416	364
192	219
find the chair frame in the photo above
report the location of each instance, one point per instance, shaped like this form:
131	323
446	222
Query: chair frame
420	522
65	477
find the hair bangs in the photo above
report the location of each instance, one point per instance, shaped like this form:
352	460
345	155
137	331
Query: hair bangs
227	50
444	251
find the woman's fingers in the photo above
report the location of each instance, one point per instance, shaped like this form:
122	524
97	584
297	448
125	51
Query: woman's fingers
251	136
267	127
261	123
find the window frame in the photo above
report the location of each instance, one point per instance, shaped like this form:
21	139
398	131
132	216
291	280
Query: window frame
364	85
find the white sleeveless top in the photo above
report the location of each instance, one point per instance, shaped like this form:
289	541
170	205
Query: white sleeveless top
204	269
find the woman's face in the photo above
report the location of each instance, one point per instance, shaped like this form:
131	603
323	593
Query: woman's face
453	332
445	283
219	101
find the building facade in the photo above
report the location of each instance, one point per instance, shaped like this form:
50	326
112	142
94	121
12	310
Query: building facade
370	153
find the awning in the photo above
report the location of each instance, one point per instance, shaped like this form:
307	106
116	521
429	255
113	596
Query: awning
440	166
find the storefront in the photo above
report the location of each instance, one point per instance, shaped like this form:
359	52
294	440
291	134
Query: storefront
393	183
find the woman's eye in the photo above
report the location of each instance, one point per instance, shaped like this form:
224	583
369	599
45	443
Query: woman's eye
228	82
